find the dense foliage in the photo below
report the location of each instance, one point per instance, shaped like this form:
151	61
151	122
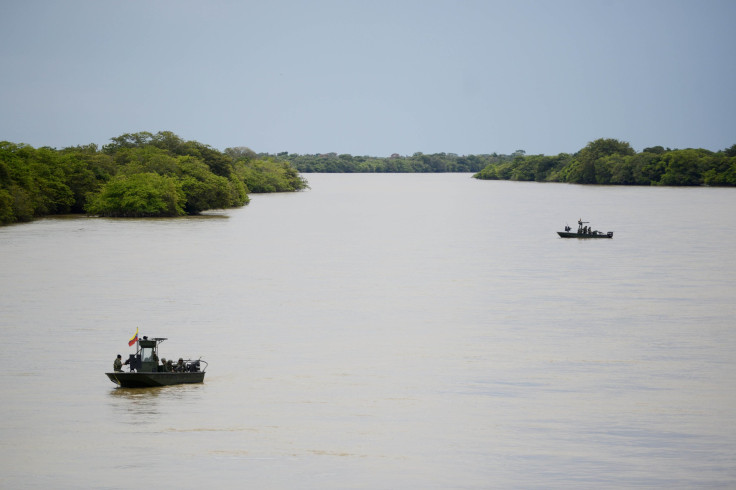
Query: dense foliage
136	175
144	174
613	162
417	163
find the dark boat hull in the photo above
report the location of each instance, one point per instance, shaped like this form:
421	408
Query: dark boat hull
144	380
568	234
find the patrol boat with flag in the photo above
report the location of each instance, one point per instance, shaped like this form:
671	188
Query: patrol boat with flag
145	370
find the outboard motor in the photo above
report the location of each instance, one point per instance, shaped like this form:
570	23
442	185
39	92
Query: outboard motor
194	366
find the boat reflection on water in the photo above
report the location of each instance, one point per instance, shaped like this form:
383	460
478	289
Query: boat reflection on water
136	406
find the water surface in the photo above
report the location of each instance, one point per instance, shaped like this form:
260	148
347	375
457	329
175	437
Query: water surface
381	331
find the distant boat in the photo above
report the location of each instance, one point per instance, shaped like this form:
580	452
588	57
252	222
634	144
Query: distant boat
145	371
584	231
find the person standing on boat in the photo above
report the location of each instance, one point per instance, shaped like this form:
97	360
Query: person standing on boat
179	368
117	366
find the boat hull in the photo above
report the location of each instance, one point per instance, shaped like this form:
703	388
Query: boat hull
567	234
145	380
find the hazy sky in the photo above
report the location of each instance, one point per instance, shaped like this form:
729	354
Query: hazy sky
371	77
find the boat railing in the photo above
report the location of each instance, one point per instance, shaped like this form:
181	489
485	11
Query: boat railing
194	364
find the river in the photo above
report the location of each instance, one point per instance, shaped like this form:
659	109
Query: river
380	331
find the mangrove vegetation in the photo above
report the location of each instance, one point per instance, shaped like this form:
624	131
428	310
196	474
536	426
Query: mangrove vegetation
613	162
604	161
151	175
136	175
416	163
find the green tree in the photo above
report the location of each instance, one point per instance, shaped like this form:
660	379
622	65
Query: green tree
139	195
128	140
269	176
723	171
684	167
7	214
588	172
655	149
243	153
205	190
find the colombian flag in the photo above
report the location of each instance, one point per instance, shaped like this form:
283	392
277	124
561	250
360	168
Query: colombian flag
134	339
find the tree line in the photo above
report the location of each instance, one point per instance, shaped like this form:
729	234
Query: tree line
608	161
145	175
416	163
135	175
